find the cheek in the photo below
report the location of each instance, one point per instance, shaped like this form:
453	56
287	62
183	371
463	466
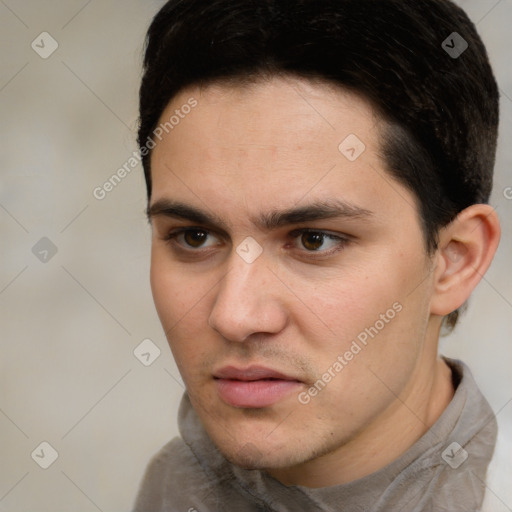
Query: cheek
367	312
380	327
176	289
361	371
167	288
182	301
336	310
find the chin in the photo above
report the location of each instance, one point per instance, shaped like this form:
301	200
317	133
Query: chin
250	457
249	439
251	454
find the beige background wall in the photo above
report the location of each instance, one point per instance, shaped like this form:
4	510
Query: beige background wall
70	321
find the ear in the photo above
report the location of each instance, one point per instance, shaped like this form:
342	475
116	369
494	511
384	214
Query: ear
465	251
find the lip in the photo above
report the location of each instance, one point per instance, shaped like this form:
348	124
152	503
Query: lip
253	387
251	373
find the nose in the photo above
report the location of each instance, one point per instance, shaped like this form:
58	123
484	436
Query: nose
248	301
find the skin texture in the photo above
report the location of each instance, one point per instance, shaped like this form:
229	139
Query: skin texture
247	151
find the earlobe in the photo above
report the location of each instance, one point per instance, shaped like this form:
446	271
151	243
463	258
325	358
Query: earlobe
465	251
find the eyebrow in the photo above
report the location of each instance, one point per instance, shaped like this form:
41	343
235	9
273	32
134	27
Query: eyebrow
320	210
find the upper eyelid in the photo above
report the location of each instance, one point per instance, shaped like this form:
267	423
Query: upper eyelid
325	232
179	231
294	233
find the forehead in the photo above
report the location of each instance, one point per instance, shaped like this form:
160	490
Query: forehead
273	111
279	141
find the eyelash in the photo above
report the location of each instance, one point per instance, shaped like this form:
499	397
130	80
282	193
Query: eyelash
342	241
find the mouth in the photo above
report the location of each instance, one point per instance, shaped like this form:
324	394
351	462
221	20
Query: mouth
254	387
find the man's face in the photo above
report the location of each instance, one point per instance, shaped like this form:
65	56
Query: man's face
334	271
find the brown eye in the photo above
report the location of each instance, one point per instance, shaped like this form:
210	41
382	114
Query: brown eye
312	240
195	238
192	240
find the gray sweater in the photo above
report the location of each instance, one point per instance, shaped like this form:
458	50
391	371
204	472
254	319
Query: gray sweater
189	474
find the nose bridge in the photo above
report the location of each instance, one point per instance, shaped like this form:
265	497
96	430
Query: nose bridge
245	302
